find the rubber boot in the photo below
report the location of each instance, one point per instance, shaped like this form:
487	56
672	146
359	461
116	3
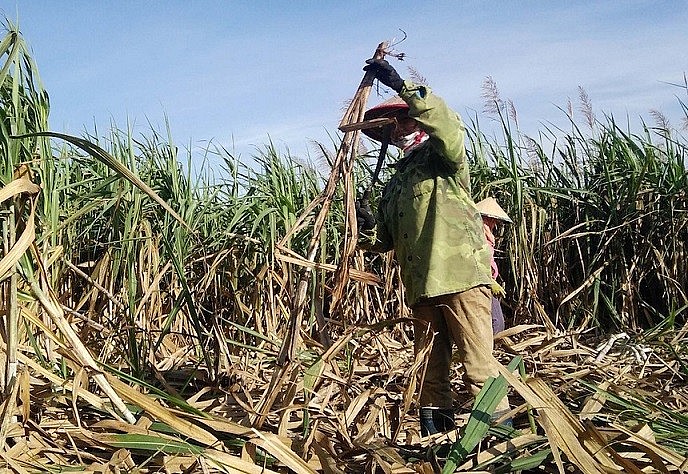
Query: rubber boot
436	420
444	420
427	421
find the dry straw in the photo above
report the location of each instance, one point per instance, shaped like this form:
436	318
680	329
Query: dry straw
144	344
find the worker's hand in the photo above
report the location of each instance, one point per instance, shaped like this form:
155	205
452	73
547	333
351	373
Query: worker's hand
497	290
385	73
364	215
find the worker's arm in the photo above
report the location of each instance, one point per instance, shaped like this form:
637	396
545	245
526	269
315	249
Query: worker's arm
445	127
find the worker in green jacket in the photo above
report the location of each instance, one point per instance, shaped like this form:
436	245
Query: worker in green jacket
427	216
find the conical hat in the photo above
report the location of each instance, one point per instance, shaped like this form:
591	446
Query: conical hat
488	207
389	108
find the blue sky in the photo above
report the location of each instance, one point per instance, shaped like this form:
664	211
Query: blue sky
242	72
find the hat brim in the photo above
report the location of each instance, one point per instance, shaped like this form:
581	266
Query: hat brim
489	207
390	108
499	217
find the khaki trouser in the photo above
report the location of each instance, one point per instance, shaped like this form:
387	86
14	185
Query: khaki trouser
464	319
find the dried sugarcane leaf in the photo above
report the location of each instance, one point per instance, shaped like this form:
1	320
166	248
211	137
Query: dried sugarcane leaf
641	451
18	186
19	248
367	430
8	411
579	445
24	382
313	374
595	403
82	354
327	460
356	405
287	423
145	440
232	464
273	445
48	332
13	464
91	398
223	425
673	458
356	275
555	442
177	463
163	414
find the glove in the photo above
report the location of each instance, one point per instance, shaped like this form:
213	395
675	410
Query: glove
497	290
364	215
385	73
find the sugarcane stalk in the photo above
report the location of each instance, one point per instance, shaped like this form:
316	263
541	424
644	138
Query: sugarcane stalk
82	354
12	327
9	237
342	169
5	298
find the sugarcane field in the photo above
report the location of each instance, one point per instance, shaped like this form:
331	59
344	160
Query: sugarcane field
160	321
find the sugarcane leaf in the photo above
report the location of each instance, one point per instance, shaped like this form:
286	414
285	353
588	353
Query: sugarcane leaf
113	163
493	391
147	442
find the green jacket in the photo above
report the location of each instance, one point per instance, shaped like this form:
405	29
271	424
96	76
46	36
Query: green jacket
426	213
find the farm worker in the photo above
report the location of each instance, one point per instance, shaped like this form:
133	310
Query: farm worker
492	214
426	215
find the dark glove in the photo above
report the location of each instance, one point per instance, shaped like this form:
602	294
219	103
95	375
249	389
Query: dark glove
385	73
364	215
